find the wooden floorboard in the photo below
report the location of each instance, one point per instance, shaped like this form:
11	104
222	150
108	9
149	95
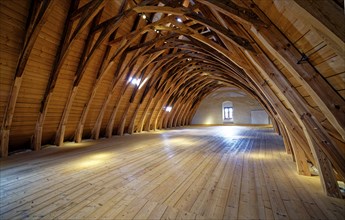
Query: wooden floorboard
223	172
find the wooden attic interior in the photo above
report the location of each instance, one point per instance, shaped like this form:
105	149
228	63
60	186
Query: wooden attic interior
88	69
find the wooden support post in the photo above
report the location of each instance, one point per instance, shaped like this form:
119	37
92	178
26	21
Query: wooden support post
144	115
6	125
300	157
110	124
276	126
286	139
60	134
120	130
131	124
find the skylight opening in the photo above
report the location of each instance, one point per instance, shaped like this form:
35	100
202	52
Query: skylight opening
179	20
168	108
134	81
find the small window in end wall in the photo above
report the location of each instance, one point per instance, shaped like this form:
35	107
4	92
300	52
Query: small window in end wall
228	113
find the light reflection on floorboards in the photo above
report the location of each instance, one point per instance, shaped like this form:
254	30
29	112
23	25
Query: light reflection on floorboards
228	172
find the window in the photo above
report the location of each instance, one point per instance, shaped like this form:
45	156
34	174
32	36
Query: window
168	109
227	113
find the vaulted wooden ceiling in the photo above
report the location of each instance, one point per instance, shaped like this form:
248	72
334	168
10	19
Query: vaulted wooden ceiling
95	68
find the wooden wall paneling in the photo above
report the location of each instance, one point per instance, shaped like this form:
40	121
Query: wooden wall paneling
125	75
158	109
36	73
180	103
114	111
60	56
179	88
161	76
175	113
166	115
138	97
85	15
132	121
142	68
150	123
101	73
165	89
96	130
132	36
119	52
171	85
104	68
176	119
155	96
150	90
107	27
125	42
144	99
128	103
86	54
186	111
36	19
143	117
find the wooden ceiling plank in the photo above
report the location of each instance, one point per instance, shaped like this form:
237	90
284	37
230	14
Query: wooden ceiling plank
328	13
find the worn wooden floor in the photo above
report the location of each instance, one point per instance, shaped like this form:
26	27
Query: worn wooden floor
193	173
